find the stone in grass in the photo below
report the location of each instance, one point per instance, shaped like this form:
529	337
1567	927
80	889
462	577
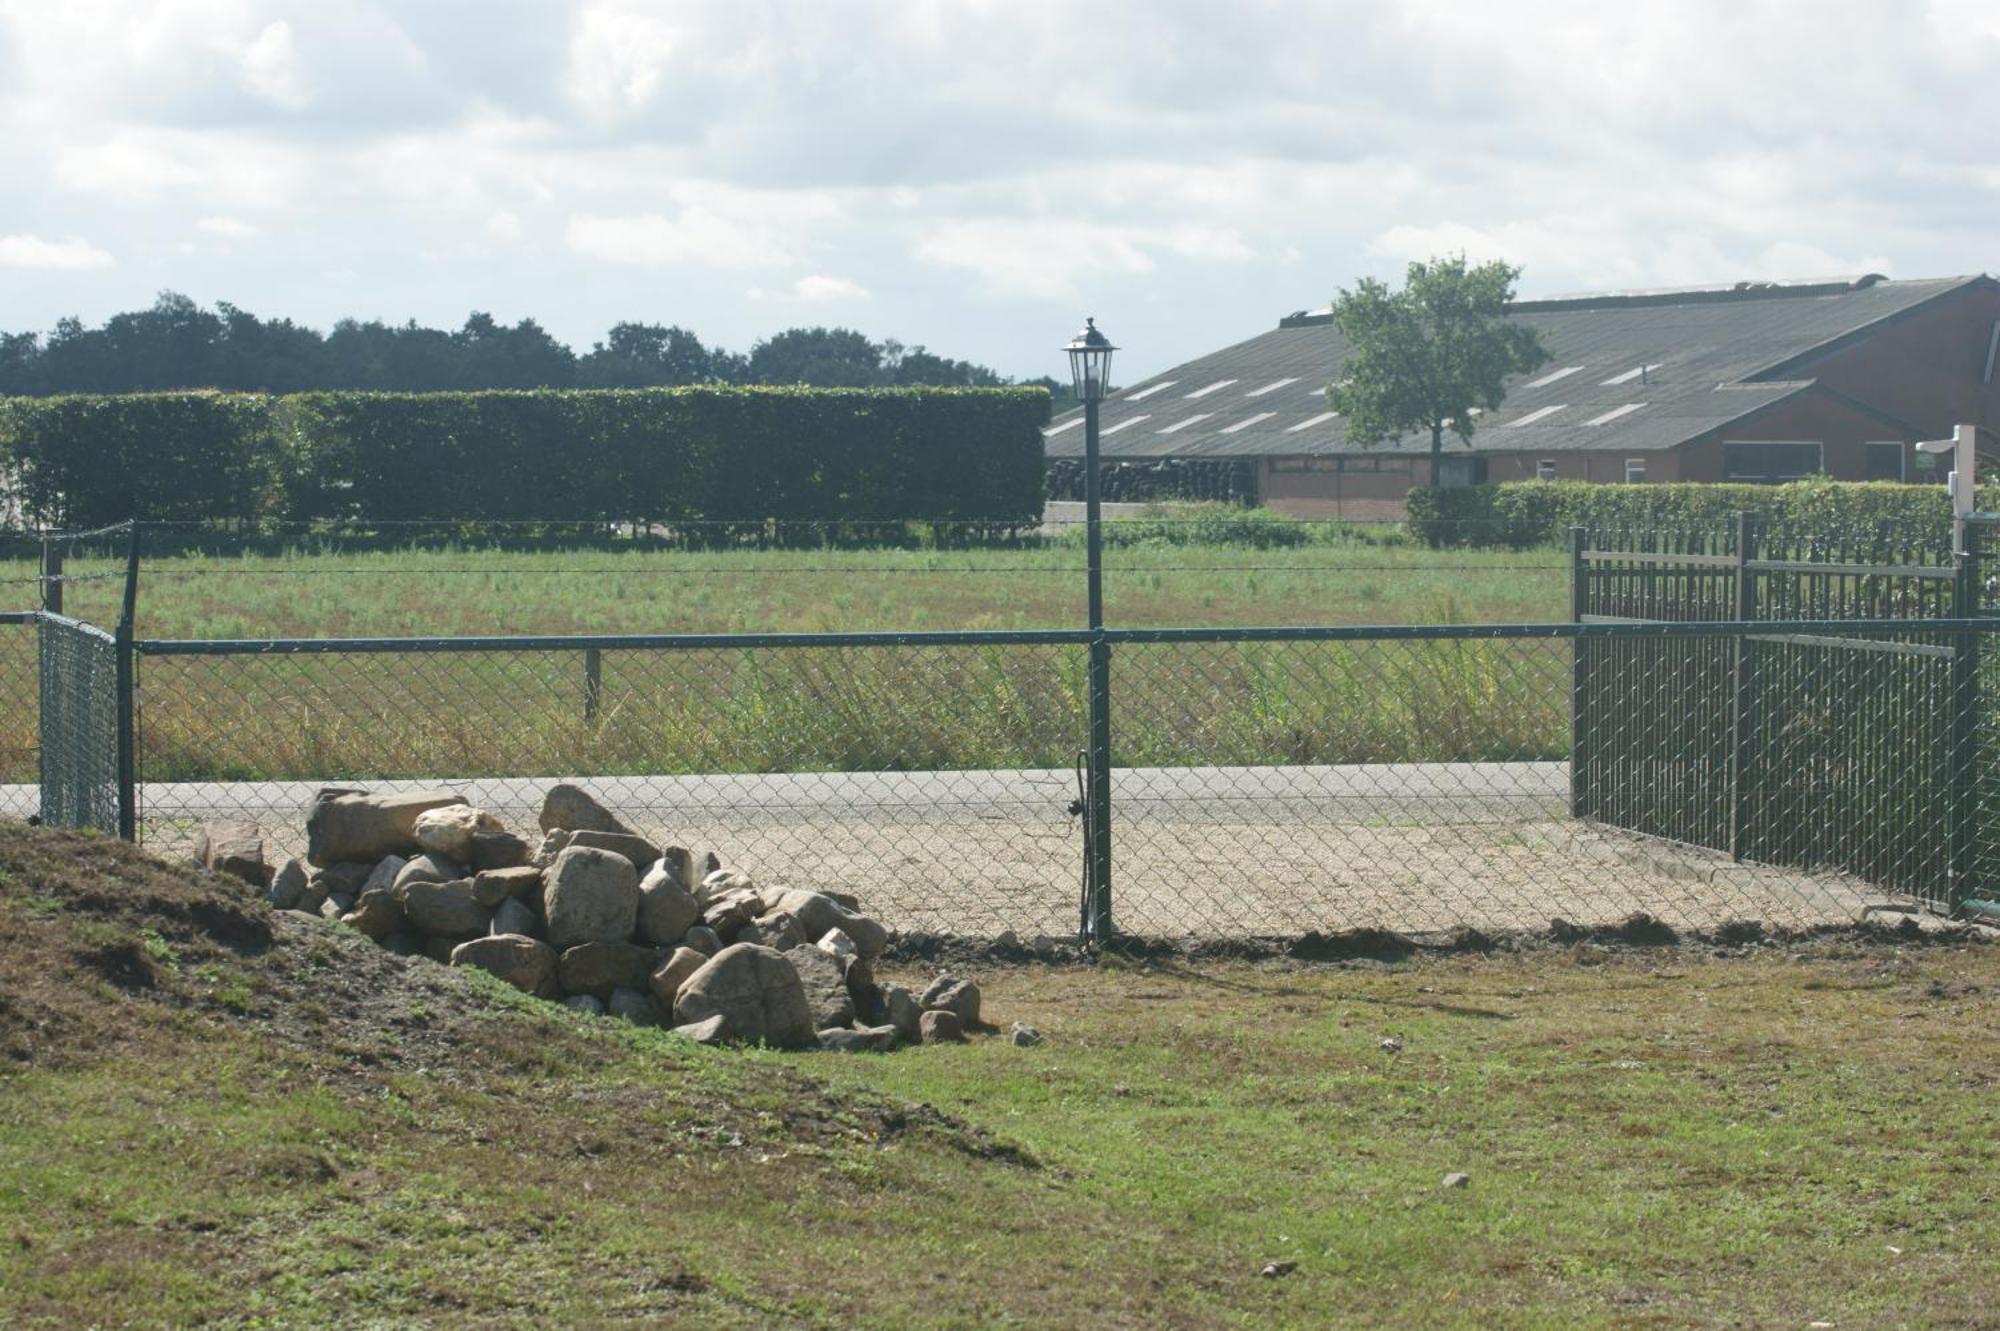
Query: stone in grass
493	886
667	910
1025	1036
335	907
288	884
825	985
633	847
585	1003
513	918
703	940
635	1006
901	1010
345	824
1456	1180
376	913
668	977
574	809
236	849
599	968
499	850
940	1026
449	829
445	910
954	995
867	1040
590	896
756	991
526	963
709	1030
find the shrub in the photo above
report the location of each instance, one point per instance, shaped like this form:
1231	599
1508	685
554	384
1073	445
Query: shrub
1518	514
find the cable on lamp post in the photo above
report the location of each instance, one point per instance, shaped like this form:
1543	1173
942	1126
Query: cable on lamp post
1090	370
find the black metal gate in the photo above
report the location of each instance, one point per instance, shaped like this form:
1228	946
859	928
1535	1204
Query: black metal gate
1853	754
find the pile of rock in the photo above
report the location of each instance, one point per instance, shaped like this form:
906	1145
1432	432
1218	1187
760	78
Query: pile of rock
600	918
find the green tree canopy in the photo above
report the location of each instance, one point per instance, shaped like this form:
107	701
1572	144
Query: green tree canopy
1425	356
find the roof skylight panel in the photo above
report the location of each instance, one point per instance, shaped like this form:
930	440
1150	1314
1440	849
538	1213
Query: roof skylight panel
1214	387
1054	430
1248	421
1271	387
1628	376
1145	393
1537	414
1307	424
1182	425
1549	378
1127	424
1615	413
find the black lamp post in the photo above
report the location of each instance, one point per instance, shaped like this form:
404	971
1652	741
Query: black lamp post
1090	368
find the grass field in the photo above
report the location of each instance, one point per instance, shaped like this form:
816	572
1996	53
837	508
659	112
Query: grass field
208	1117
439	716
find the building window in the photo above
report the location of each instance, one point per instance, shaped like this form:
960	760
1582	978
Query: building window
1635	471
1884	461
1758	463
1545	469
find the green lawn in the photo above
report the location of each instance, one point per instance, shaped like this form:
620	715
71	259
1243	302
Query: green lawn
1657	1138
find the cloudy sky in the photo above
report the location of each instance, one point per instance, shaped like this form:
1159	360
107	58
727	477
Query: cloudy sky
970	174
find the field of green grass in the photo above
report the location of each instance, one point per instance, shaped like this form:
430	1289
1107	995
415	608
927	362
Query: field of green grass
206	1117
461	716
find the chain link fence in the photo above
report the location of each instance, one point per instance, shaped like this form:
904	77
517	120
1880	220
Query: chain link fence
20	714
1264	783
80	712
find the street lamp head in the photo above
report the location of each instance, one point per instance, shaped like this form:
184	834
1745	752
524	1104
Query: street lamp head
1090	362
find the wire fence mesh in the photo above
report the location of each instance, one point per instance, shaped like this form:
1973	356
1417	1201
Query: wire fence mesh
78	761
20	714
1264	783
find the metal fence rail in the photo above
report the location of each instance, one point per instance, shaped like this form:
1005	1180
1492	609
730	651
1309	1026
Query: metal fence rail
1264	781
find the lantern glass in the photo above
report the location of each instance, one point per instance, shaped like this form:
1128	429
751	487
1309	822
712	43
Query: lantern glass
1090	362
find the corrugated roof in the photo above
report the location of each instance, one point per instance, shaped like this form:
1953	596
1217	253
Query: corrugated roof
1711	355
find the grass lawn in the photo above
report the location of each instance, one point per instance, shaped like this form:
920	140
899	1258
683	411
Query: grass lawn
208	1115
486	591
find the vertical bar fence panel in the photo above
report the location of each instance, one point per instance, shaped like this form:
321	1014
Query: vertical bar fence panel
79	707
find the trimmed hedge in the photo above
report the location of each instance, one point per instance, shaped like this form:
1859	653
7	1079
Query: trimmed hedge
166	457
1519	514
750	455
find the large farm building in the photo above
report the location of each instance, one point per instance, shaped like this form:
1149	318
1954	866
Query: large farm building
1760	382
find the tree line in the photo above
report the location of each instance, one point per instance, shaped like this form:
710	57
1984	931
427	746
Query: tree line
179	344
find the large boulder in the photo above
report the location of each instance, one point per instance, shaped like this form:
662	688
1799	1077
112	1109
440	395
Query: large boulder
355	825
513	918
444	910
590	896
637	849
817	913
526	963
681	864
236	849
574	810
636	1006
950	994
449	830
667	909
376	913
288	885
777	931
598	968
498	850
825	982
522	883
428	867
756	992
668	977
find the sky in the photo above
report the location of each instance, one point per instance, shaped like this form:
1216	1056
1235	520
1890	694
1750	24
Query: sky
970	175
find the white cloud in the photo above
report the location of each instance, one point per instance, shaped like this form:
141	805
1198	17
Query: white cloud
59	255
269	65
1051	259
813	289
694	236
617	58
228	228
